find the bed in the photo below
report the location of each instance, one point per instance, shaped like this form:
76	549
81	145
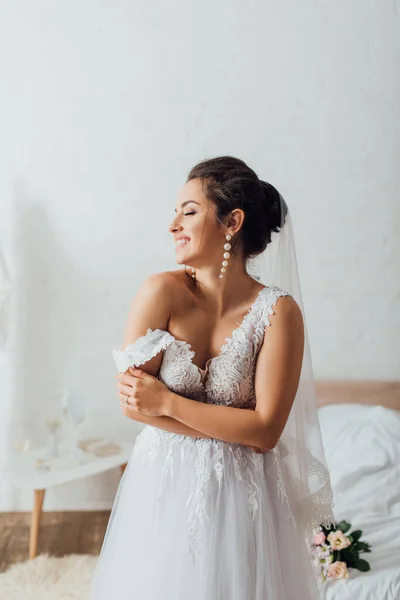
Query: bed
361	433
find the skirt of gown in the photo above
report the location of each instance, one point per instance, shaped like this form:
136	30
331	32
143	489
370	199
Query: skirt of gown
201	519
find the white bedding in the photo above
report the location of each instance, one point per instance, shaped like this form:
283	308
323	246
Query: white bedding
362	445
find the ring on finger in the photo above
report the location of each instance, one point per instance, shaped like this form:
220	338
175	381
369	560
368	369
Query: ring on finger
127	403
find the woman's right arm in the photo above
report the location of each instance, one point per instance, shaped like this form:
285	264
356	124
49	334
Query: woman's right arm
151	308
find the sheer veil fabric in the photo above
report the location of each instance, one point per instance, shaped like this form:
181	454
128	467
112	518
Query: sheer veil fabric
305	456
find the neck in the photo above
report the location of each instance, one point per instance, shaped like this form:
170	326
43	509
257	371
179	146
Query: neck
235	286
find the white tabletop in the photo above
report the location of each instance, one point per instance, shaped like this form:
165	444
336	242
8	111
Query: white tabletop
23	470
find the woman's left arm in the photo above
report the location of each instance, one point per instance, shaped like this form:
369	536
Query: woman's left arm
277	377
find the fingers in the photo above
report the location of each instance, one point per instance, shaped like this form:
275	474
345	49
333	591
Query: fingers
125	383
124	378
126	403
126	386
125	389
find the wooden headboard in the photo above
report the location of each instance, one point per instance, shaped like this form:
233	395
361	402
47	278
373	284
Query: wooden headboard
384	393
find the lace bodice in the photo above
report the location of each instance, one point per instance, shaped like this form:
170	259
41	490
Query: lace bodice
228	377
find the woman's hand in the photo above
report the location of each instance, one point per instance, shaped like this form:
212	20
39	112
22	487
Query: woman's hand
142	393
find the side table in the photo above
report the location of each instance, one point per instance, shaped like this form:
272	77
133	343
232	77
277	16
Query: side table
21	471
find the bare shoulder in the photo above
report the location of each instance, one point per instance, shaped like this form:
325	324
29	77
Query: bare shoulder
153	304
163	284
288	313
156	284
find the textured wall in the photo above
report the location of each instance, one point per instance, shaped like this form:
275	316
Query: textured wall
105	107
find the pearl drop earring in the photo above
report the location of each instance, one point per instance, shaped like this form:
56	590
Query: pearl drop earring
226	256
193	273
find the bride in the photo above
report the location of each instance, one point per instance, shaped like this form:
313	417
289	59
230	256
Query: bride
228	479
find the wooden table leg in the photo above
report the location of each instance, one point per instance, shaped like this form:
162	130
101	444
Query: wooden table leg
122	468
35	522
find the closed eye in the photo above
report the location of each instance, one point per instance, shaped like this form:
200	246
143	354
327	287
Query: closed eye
190	213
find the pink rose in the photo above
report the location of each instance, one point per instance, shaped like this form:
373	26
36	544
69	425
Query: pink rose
319	538
338	540
338	570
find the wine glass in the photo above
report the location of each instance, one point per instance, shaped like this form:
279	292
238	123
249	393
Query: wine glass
22	438
74	409
52	425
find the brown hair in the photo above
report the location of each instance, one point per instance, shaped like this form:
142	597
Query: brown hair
229	183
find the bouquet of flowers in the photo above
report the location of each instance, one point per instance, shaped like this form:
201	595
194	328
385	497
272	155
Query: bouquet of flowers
334	552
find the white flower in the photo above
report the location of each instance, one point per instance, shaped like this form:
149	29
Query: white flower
338	540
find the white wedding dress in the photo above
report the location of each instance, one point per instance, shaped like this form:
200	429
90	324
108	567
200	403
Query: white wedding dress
203	519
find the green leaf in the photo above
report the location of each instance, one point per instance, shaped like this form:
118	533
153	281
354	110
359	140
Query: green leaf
363	547
343	526
350	562
355	535
361	565
347	553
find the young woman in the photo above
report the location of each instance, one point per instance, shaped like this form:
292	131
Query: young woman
228	479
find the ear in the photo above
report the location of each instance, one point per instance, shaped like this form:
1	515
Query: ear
235	220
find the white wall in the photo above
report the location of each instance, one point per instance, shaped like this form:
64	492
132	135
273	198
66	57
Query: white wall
106	105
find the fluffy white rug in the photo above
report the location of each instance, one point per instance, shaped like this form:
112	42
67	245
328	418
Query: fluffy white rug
49	578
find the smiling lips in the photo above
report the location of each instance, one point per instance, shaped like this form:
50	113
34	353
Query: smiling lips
182	242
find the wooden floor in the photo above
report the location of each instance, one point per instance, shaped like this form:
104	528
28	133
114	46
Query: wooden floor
60	533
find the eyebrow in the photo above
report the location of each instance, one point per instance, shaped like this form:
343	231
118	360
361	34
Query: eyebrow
187	202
